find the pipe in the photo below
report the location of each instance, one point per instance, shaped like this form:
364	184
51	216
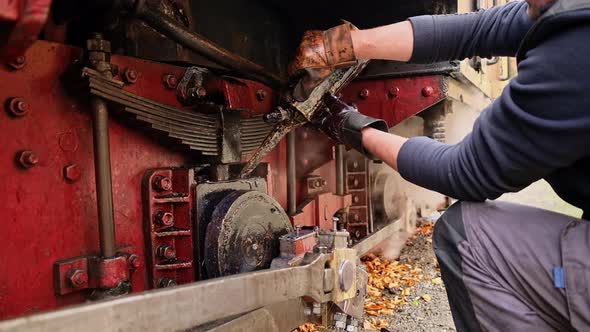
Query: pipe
205	47
102	170
340	191
291	175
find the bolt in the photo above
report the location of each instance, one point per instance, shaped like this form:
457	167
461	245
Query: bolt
364	94
355	199
355	165
260	95
27	159
18	106
164	218
77	278
166	282
255	246
18	62
427	91
133	261
130	75
324	182
200	92
355	183
166	252
162	183
170	81
355	217
72	173
393	92
317	183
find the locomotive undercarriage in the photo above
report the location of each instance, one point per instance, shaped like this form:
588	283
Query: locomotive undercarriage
123	157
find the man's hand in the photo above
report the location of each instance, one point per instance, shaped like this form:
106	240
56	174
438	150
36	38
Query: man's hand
344	124
318	55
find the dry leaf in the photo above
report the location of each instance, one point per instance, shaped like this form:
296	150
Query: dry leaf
426	297
437	281
368	325
308	327
372	313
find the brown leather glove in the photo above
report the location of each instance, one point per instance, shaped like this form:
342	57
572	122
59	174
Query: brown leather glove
318	55
344	124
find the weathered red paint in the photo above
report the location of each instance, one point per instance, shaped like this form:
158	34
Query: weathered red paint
51	207
396	99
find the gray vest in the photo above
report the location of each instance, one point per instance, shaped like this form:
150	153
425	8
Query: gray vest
562	14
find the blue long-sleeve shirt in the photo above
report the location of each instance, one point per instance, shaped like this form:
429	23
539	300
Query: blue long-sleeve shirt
538	128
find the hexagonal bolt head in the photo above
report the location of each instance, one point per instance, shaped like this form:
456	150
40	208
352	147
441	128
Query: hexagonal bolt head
77	278
72	173
134	261
427	91
18	107
166	252
170	81
130	75
27	159
18	62
164	218
166	282
261	95
162	183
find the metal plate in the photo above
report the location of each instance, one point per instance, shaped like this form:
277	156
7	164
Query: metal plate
244	232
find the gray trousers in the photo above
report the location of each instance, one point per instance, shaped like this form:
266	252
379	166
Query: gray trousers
509	267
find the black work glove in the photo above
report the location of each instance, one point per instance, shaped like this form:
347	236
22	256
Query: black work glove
344	124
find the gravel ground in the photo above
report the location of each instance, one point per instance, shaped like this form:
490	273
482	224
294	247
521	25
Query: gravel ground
420	315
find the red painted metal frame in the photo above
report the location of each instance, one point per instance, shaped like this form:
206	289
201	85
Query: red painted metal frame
50	208
178	237
397	99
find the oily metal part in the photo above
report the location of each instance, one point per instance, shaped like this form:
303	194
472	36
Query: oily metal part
303	112
205	47
201	302
243	235
197	131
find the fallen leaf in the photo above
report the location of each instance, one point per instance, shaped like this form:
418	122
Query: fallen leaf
437	281
426	298
372	313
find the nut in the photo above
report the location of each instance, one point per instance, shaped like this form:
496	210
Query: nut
18	106
166	282
260	95
164	218
364	94
170	81
27	159
162	183
77	278
18	62
166	252
72	173
427	91
130	75
134	261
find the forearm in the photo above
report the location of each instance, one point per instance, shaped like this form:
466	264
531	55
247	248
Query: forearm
383	145
389	42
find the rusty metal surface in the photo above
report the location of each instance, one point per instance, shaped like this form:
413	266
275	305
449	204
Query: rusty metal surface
205	47
243	234
205	301
168	201
303	112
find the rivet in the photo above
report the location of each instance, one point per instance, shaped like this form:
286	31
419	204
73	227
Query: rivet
364	94
427	91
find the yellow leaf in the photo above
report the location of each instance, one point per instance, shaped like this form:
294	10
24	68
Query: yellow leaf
426	298
437	281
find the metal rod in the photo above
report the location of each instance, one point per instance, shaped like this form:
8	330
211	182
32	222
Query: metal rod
205	47
340	187
200	302
102	170
291	175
